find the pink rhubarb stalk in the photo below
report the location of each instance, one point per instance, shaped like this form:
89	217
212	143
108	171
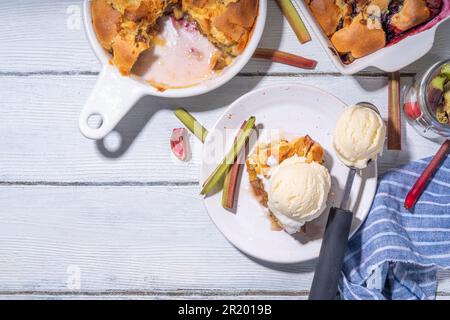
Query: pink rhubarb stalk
230	184
285	58
417	190
179	143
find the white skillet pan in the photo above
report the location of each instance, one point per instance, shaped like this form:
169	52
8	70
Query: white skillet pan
114	95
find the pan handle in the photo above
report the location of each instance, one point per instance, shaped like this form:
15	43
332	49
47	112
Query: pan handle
113	96
329	265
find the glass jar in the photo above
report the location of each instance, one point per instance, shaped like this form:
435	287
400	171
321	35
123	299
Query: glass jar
420	112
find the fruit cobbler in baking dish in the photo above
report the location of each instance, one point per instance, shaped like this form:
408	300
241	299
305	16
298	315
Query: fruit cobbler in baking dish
173	43
357	28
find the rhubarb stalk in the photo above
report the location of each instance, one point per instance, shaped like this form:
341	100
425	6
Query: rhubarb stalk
191	123
231	179
294	20
218	174
285	58
417	190
229	186
394	121
179	143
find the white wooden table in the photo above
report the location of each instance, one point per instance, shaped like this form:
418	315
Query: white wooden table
121	218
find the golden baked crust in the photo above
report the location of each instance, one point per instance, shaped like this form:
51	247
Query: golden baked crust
327	13
132	40
126	28
136	10
413	13
106	22
357	39
382	4
228	24
124	5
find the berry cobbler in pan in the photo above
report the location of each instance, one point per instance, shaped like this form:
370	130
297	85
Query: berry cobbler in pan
357	28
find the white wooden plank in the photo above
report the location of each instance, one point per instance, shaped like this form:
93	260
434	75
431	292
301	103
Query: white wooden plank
44	36
41	140
159	297
118	236
443	279
146	296
137	241
129	239
39	38
440	296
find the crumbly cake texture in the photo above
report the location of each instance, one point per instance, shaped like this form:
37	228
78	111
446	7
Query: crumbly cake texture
281	150
357	28
126	28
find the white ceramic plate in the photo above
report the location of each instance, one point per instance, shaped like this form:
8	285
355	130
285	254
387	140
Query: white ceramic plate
296	110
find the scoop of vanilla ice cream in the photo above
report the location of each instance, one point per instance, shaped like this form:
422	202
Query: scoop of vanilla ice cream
298	192
359	136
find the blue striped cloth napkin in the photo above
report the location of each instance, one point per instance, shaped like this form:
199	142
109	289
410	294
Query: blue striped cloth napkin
396	253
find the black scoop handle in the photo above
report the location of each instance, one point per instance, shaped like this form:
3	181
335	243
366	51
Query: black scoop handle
329	265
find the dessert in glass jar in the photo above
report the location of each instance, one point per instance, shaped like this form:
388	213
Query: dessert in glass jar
427	102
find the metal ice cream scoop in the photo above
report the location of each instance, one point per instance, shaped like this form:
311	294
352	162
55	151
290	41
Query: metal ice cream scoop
334	243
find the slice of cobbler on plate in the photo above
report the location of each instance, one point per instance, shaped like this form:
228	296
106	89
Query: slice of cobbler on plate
288	178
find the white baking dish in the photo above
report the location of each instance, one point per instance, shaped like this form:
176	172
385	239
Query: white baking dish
389	59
